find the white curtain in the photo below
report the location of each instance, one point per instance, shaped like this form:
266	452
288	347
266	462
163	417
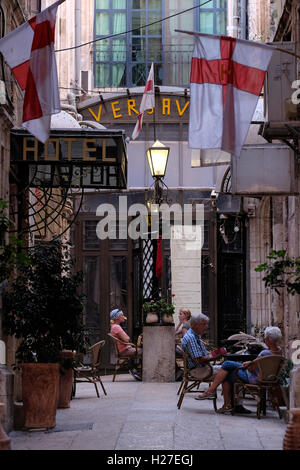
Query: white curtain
119	48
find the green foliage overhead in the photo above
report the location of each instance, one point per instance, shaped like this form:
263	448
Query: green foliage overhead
43	306
281	271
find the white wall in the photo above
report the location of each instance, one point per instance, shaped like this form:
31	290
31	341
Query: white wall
179	171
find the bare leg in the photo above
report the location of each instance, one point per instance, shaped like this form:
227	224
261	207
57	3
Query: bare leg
219	378
226	387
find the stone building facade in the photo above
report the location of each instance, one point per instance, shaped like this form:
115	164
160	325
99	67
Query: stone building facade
271	222
269	217
275	224
12	14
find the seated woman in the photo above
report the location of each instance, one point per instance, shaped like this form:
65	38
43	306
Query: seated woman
184	323
117	317
248	374
180	330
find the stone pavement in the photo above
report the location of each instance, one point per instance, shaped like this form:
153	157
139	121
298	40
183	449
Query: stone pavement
144	416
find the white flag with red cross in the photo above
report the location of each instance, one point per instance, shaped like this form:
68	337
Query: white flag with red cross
227	76
148	102
29	51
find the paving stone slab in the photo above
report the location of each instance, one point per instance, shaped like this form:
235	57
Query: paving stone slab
144	416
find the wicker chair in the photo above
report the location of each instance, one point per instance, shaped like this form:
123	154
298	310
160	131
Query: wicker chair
190	384
269	368
90	372
122	361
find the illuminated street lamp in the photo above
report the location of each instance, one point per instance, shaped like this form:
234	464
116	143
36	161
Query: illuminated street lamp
158	156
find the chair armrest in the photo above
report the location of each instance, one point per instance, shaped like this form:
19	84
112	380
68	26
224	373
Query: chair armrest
78	359
127	344
122	342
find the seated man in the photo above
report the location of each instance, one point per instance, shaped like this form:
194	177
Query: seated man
117	317
192	344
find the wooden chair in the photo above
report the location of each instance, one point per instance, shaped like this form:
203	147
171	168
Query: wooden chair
122	361
90	372
269	368
190	383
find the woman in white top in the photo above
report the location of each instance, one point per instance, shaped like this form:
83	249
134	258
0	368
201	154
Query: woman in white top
184	317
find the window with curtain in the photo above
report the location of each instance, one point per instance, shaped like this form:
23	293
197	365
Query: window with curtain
110	52
125	60
212	17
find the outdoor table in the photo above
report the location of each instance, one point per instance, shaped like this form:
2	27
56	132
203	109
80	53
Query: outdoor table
240	357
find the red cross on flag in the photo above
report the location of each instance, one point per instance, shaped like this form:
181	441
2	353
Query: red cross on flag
227	75
29	51
148	102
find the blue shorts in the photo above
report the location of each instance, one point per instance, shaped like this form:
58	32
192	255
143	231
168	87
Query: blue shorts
230	367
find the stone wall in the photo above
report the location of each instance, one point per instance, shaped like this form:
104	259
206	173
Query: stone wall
15	13
65	38
185	272
259	20
274	226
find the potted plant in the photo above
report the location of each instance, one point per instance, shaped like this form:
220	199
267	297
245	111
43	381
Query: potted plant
149	311
43	309
10	252
156	309
284	382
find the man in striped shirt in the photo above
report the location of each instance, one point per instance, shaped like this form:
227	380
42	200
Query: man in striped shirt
192	344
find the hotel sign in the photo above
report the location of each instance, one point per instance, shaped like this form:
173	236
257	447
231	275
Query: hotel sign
126	109
71	158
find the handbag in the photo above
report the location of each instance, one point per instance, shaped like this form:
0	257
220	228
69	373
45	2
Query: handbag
202	372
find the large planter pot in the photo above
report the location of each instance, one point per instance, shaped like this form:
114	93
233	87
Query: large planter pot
4	439
40	386
66	378
65	387
167	318
152	317
291	439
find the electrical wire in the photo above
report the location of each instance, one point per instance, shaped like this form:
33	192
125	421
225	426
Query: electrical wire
134	29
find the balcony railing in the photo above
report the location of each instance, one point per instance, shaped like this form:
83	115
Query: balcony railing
172	63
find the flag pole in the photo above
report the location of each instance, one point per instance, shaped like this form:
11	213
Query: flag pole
154	123
244	40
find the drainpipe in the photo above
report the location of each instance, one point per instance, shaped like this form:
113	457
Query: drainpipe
77	77
244	4
233	28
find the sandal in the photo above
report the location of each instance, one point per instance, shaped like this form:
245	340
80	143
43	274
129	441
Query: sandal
224	409
205	396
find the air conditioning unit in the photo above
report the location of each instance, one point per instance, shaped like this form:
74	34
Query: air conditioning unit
281	74
268	169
